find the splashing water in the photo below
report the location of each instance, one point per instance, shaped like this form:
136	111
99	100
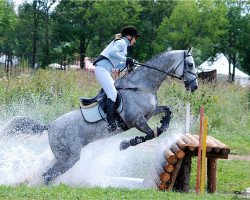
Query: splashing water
24	158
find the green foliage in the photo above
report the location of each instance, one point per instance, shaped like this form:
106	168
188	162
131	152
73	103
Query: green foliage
7	27
110	18
232	175
181	26
149	21
52	92
66	192
75	29
193	23
238	34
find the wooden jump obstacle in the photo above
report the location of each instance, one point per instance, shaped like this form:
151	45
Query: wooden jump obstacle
176	168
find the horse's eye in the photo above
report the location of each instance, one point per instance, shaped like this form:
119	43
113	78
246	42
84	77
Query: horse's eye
190	64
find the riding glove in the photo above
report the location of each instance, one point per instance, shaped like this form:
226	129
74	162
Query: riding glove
130	64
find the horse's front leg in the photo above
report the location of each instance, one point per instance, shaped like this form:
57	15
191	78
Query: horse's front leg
164	120
142	125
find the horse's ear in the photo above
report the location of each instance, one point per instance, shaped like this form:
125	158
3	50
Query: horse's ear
190	49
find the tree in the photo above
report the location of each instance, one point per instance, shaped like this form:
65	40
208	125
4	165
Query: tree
23	35
236	42
33	32
106	25
7	31
74	24
151	16
244	46
193	23
91	25
46	6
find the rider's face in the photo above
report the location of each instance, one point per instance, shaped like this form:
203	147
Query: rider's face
132	39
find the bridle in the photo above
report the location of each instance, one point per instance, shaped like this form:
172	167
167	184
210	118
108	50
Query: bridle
185	70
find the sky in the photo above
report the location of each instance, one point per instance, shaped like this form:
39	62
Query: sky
19	2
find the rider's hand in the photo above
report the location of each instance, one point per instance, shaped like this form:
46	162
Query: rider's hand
129	61
130	64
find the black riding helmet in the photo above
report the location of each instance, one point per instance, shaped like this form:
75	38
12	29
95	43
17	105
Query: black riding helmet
130	30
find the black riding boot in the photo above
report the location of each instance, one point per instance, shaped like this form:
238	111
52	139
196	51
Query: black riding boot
110	115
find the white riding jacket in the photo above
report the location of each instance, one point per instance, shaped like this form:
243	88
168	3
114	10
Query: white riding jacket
116	53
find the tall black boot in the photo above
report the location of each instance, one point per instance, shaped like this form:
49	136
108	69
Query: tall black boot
110	115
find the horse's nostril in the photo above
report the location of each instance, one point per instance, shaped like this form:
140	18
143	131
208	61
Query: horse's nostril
195	87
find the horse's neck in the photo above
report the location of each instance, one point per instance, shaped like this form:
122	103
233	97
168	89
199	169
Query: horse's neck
150	78
144	77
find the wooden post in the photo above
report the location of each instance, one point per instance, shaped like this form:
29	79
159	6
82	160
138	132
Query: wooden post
197	188
203	156
211	174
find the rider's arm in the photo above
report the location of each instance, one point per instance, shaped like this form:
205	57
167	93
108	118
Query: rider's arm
117	50
121	65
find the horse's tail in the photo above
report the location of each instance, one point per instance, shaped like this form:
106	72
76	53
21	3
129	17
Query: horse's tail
24	125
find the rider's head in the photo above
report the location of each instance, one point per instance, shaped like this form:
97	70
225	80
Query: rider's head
131	33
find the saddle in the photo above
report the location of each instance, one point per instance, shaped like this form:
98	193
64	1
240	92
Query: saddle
94	109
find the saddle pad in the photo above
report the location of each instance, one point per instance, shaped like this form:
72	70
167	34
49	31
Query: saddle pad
96	113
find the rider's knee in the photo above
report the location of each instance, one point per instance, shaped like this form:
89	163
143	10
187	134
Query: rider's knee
112	96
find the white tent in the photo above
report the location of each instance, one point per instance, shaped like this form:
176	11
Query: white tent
221	65
4	58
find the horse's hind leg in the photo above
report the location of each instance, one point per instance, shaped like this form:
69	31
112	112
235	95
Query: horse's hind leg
65	159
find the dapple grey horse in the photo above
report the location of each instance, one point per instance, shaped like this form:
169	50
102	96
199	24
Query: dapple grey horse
70	132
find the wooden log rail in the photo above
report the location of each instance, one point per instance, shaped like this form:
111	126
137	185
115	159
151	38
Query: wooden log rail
175	170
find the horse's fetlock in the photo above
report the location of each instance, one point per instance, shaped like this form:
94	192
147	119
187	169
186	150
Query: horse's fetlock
159	131
149	136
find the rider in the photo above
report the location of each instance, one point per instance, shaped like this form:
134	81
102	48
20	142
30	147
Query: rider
114	56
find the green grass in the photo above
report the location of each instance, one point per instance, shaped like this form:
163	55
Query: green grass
65	192
47	94
232	175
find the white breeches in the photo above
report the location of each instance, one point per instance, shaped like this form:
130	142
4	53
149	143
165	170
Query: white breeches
105	79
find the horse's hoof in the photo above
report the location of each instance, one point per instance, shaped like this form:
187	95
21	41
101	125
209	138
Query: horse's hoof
47	179
124	145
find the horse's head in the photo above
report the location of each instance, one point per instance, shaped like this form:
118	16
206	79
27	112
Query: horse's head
187	72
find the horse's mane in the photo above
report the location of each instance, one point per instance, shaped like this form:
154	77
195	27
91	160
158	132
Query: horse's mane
158	55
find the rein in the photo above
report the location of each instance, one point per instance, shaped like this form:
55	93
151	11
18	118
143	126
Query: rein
170	74
150	67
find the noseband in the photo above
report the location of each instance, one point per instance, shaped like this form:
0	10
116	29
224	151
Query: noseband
185	70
